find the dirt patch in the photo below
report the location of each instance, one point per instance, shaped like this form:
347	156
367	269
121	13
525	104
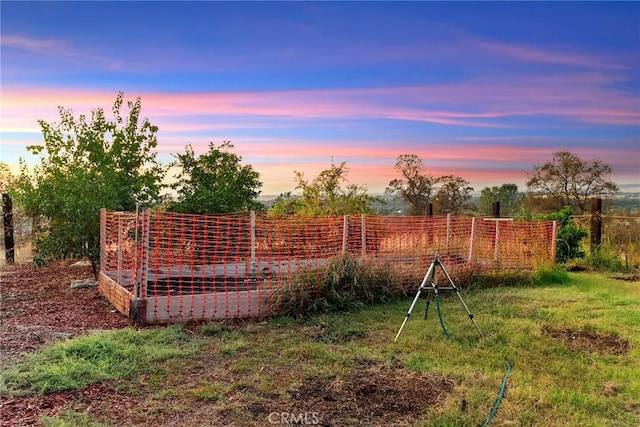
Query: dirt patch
371	397
589	342
38	306
26	411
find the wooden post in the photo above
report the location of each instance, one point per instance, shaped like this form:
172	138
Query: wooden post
345	234
430	209
596	224
363	228
253	242
472	243
143	253
119	253
7	221
495	209
103	239
554	241
496	248
448	231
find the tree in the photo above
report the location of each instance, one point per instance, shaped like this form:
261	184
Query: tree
7	180
453	195
324	195
215	182
85	166
508	196
416	188
568	180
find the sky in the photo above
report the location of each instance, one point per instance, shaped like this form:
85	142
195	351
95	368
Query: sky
481	90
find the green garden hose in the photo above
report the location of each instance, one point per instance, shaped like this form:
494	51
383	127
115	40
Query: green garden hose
437	298
503	388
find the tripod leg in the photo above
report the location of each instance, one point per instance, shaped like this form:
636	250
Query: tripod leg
453	285
415	300
408	313
426	310
468	312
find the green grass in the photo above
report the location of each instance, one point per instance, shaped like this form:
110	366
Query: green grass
91	359
219	373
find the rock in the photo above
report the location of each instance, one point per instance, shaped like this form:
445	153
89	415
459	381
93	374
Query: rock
83	283
83	263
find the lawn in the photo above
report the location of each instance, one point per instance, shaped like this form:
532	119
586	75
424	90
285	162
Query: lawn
571	351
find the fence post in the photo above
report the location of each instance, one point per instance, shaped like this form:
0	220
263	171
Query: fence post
253	240
448	231
364	234
496	249
7	221
103	238
472	244
495	209
140	297
119	250
345	233
596	224
554	238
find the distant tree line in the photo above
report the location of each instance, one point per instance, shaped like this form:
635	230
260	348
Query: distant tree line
89	164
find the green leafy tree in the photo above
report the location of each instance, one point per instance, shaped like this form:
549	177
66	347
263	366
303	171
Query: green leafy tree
325	195
508	196
86	165
453	195
215	182
415	187
567	180
7	179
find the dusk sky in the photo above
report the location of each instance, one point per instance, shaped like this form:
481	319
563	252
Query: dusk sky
480	90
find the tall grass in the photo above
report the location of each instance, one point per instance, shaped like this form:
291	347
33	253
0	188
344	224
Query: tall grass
347	283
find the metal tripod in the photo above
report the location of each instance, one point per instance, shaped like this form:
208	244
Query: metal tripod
432	279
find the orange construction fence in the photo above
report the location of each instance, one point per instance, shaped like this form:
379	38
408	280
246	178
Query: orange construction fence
159	267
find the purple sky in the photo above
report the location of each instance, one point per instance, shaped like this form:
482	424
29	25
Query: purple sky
481	90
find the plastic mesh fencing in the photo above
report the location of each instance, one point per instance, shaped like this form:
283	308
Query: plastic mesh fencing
180	267
120	252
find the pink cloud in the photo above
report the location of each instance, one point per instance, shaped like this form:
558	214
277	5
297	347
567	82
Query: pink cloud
59	49
480	160
477	103
48	46
533	54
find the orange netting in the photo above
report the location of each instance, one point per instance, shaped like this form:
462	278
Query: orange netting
178	267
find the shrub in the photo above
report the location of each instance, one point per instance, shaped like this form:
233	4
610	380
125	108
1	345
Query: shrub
347	283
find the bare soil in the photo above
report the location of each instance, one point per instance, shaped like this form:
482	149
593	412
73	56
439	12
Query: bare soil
38	306
588	342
